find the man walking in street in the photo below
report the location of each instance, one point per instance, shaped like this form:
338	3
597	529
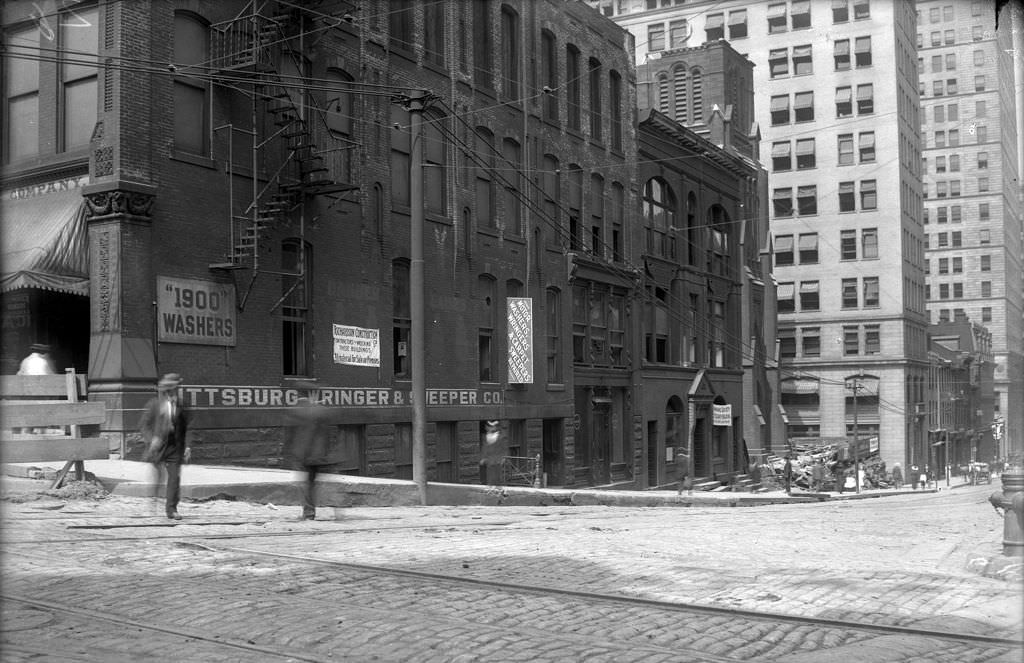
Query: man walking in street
307	443
164	430
683	472
787	475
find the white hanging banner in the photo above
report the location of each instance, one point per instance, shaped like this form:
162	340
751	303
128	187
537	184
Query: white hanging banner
356	346
722	415
520	340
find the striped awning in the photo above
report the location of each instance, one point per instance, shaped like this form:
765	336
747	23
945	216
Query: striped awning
44	240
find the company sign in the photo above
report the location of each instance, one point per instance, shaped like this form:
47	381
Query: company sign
211	397
194	311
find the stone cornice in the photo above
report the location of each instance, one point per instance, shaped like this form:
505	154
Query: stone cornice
119	198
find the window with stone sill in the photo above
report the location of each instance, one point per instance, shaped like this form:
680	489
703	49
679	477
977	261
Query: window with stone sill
714	27
862	52
840	11
776	18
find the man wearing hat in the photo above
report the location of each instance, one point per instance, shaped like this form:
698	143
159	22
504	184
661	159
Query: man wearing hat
307	442
491	453
38	361
164	428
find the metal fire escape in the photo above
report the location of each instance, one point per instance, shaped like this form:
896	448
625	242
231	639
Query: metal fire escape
293	154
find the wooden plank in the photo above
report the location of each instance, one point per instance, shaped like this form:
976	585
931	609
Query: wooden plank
23	414
52	386
57	450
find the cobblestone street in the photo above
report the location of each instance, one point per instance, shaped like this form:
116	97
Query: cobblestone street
866	580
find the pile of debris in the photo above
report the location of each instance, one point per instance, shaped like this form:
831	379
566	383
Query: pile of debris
833	457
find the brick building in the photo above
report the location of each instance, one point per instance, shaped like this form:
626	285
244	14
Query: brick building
705	384
245	171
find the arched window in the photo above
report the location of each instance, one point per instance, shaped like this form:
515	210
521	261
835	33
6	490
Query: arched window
551	188
433	32
549	74
401	151
615	108
618	211
487	318
435	164
296	287
573	67
191	47
467	232
378	211
596	118
697	94
336	105
659	210
575	207
510	51
693	233
719	233
79	36
680	94
513	186
553	333
482	58
596	236
485	216
664	94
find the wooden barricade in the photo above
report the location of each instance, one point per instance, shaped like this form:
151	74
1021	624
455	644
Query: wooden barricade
41	418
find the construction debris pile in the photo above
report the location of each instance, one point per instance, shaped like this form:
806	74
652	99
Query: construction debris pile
837	466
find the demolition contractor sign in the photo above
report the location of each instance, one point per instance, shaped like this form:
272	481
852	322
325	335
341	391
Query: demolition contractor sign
194	311
218	397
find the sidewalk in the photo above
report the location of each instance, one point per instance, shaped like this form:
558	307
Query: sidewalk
274	486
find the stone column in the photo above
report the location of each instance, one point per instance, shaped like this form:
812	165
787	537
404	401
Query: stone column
122	362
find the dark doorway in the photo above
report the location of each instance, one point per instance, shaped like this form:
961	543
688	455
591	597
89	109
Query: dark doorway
553	446
600	442
652	454
701	466
448	452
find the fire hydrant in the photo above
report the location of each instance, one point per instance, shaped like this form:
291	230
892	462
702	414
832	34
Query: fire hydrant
1011	501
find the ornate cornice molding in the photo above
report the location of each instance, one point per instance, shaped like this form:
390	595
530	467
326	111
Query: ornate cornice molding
120	198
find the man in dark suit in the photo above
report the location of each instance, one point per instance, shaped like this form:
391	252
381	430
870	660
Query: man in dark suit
164	429
307	442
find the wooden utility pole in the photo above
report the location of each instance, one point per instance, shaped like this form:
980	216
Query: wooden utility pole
417	364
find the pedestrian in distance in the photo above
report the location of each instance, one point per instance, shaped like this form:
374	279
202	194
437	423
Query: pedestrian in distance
492	454
683	479
787	475
897	476
307	443
164	429
38	361
915	476
817	476
840	477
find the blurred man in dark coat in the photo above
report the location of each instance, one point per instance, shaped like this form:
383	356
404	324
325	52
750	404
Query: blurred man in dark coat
307	443
164	430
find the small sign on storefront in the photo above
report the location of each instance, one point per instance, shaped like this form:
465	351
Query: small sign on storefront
356	346
194	311
520	340
722	415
